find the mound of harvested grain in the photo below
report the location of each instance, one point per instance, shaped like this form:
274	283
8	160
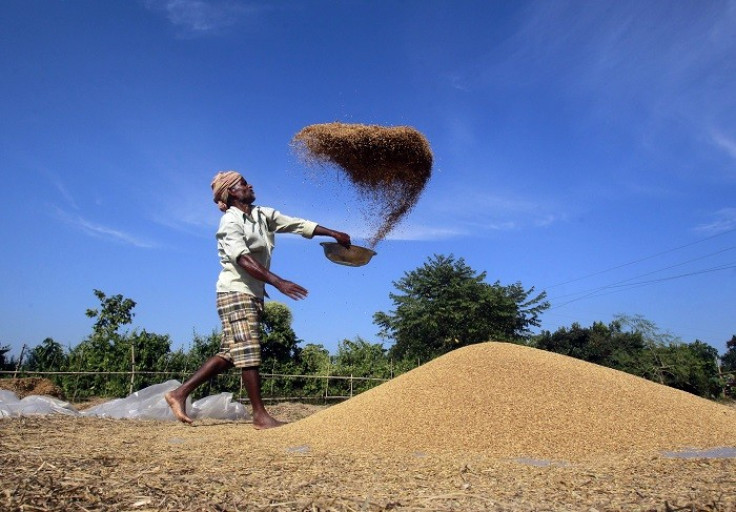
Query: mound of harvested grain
32	386
389	166
508	400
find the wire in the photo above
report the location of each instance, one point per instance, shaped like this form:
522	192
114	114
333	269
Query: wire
596	292
653	272
641	259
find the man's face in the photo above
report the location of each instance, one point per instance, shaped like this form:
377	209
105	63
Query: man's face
242	191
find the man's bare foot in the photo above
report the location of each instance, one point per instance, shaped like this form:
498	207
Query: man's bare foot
178	407
265	420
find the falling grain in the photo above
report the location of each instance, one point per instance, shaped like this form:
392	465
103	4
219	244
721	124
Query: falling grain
389	166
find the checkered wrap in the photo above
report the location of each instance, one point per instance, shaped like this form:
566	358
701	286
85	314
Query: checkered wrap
241	328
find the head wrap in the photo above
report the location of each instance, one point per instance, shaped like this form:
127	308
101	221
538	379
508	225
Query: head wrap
220	184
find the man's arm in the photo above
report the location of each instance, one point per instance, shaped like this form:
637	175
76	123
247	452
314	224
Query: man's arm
280	223
255	269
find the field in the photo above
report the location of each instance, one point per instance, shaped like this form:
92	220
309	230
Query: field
491	427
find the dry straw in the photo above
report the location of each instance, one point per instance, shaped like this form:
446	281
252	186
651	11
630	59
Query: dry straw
507	400
31	386
389	166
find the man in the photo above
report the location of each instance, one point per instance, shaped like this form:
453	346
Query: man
245	240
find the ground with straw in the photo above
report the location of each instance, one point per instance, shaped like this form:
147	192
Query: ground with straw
489	427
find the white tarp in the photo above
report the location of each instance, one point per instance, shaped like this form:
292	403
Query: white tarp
148	403
10	405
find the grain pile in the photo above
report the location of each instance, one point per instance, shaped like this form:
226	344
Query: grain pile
507	400
389	166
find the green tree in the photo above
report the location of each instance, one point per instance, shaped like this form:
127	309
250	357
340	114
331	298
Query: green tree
691	367
104	350
705	379
149	353
643	351
361	359
728	360
280	344
108	350
49	356
654	354
445	304
279	349
100	355
313	360
605	345
650	333
150	349
114	312
6	363
728	366
201	349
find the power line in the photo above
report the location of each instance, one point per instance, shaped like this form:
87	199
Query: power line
642	259
653	271
597	292
670	278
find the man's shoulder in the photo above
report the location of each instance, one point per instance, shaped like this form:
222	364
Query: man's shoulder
231	213
231	216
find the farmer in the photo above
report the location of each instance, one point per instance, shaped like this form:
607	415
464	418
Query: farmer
245	240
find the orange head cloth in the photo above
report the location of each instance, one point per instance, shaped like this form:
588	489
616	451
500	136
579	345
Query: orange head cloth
220	185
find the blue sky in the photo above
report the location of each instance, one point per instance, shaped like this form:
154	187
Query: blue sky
584	148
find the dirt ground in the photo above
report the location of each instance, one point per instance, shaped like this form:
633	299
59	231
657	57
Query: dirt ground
70	463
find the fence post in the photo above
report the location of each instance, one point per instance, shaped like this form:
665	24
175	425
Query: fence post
20	360
327	380
273	372
351	385
132	367
79	369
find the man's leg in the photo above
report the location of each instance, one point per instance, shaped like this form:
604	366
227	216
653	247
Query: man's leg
252	382
177	398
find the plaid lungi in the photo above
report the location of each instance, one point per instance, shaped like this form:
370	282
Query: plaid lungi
241	328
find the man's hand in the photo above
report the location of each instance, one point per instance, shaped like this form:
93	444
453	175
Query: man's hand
342	239
291	290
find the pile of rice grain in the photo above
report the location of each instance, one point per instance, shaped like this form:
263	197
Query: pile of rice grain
508	400
389	166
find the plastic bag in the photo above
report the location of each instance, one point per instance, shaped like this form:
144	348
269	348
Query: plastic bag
33	405
219	407
148	403
8	403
